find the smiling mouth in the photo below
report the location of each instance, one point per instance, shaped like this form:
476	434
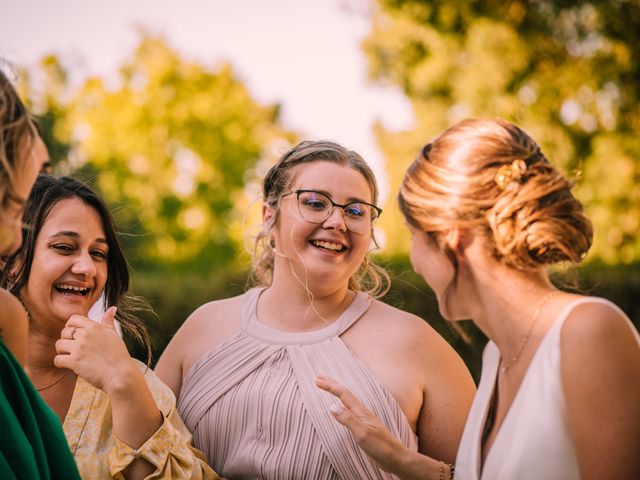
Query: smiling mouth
71	290
332	247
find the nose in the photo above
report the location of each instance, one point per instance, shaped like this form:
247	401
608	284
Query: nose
84	265
335	221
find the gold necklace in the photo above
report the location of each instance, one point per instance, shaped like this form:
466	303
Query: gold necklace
53	383
506	367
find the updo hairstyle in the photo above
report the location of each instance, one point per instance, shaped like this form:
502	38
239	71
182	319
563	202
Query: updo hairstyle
489	175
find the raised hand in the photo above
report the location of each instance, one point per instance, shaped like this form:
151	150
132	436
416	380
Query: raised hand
94	351
372	436
377	441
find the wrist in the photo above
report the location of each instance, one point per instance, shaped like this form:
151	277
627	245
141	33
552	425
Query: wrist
126	382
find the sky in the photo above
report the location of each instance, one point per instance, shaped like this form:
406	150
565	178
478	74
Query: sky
304	54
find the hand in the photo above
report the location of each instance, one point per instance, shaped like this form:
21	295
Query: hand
94	351
372	436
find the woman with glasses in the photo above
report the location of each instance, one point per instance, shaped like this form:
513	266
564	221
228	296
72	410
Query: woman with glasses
244	368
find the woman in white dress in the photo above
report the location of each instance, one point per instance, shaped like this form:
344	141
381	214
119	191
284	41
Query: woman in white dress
560	386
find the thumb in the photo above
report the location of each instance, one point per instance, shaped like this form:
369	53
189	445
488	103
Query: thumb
108	318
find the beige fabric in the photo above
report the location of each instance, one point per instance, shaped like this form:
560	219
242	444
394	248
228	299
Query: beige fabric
100	455
253	407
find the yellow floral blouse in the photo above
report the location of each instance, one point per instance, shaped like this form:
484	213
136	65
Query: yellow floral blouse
100	455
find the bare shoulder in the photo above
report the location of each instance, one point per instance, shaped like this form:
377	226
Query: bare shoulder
208	326
407	329
14	325
597	326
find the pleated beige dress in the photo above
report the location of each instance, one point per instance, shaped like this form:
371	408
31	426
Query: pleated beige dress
253	407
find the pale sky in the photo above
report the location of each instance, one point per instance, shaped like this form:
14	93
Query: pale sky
304	54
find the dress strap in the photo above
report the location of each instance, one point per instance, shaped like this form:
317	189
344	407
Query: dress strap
252	327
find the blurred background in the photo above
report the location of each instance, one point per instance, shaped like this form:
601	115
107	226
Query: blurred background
174	112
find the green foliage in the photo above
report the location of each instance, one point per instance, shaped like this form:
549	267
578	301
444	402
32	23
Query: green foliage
171	145
567	72
175	295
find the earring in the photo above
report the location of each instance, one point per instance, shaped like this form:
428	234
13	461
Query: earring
272	242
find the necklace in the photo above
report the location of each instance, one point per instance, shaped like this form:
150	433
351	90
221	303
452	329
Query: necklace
54	382
507	366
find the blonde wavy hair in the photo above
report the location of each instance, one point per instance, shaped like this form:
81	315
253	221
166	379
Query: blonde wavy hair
16	128
369	278
489	175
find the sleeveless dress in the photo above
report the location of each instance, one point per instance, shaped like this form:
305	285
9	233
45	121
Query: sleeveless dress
253	407
534	440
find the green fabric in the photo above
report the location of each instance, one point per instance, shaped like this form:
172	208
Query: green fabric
32	442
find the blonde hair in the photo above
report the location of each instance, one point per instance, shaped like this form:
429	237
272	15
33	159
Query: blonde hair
489	175
16	128
369	278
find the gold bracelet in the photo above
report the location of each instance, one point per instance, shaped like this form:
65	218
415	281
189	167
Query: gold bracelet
452	470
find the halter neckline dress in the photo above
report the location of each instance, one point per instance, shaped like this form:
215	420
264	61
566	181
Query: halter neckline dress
253	407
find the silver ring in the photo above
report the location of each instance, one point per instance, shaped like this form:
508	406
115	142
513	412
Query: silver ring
73	332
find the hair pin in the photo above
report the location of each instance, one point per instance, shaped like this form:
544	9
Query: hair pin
510	176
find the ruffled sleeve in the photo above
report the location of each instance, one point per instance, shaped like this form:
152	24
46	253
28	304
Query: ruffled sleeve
169	449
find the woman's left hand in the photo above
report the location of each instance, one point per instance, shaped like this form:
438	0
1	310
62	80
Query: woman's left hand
94	351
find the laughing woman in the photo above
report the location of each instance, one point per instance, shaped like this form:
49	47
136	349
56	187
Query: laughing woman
244	368
119	419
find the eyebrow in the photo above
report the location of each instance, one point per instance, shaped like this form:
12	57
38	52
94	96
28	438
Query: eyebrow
349	200
69	233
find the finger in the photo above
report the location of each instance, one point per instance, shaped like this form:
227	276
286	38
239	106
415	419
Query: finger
109	317
348	399
64	346
63	361
78	321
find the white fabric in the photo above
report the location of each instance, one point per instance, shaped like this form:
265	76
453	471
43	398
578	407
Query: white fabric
533	441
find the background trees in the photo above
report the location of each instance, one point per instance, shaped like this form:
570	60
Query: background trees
567	71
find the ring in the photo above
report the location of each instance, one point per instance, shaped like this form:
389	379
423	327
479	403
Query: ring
73	332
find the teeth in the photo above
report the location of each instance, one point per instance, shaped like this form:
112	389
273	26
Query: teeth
64	286
336	247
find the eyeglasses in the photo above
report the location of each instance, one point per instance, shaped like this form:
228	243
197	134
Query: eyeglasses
316	207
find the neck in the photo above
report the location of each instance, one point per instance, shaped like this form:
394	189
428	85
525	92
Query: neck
306	309
507	304
41	350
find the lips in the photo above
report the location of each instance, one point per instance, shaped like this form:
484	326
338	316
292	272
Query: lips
68	289
327	245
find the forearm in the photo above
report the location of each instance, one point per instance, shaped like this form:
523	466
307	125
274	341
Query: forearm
412	465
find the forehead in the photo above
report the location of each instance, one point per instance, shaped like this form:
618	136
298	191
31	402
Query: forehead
74	215
341	182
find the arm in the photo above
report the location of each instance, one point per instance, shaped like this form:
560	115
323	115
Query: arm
601	381
14	326
145	439
448	391
377	441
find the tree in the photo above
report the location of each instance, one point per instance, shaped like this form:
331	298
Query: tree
566	71
171	147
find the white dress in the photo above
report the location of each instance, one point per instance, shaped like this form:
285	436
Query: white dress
533	441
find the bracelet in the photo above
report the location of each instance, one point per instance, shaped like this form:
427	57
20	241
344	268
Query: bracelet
452	470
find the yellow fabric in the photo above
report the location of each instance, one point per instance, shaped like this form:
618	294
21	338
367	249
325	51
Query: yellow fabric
100	455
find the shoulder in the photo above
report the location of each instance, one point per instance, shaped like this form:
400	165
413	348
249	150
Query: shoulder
219	313
598	344
14	325
11	308
596	323
404	327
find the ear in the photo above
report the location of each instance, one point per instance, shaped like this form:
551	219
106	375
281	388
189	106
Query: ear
268	214
458	239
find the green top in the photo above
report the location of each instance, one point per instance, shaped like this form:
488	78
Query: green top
32	443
